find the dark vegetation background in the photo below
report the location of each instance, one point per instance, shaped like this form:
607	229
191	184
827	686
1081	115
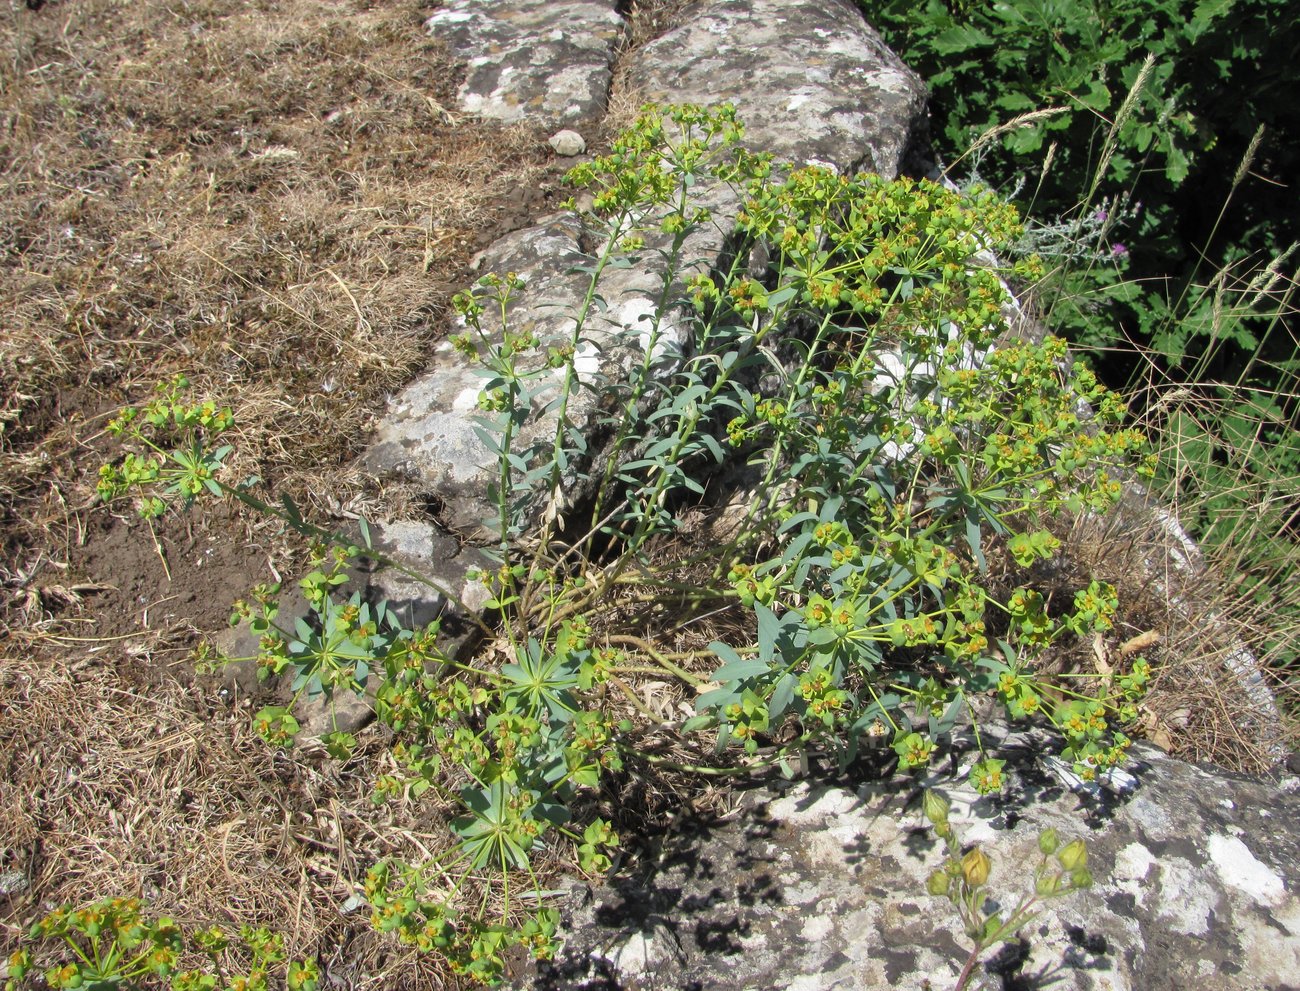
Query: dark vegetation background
1154	144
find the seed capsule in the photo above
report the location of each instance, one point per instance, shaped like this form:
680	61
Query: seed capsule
975	867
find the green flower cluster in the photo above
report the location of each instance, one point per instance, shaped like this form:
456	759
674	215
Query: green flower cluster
176	456
963	878
473	948
115	946
901	447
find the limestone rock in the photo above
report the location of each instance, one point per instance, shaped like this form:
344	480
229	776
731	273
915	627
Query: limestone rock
811	80
428	433
821	886
343	712
442	591
241	646
544	60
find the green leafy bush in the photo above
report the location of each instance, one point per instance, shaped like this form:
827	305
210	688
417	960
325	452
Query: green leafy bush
1139	132
1149	141
906	459
1213	72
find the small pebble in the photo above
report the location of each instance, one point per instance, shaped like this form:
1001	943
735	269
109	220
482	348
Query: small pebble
12	882
567	143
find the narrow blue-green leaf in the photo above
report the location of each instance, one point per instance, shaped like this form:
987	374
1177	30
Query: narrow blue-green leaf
974	538
709	441
781	296
798	519
697	723
782	695
490	441
943	725
769	628
742	670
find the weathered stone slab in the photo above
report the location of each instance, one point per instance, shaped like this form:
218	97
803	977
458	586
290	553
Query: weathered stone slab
544	60
443	589
810	79
822	887
854	103
428	434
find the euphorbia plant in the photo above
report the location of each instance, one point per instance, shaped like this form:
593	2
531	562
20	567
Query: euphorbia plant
907	458
114	946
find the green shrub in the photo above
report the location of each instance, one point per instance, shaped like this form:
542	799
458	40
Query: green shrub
1159	118
1149	141
1218	71
907	458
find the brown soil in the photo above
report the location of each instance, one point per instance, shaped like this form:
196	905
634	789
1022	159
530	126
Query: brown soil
181	582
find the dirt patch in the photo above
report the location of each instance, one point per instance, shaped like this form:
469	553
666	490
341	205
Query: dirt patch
526	203
181	573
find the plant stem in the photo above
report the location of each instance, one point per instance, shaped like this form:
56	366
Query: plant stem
964	977
658	658
712	772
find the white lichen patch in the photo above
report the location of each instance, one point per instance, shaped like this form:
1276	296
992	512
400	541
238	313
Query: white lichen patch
1185	899
466	399
1132	867
1153	818
634	957
637	316
1268	956
586	360
1239	869
892	80
817	928
795	810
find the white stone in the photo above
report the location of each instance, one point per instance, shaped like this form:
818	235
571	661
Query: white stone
817	928
567	143
636	956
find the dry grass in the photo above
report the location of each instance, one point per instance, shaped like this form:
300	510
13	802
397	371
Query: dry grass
1205	641
111	785
271	198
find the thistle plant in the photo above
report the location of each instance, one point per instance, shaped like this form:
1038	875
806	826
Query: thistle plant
963	880
908	460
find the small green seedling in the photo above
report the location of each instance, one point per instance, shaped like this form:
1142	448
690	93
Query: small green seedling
963	880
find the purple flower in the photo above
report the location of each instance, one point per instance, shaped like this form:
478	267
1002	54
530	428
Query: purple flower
1100	216
1118	250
